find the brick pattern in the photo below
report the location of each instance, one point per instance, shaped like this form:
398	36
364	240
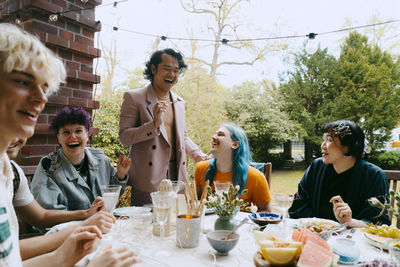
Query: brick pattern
71	37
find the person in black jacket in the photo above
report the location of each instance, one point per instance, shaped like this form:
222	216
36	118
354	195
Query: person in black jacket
337	186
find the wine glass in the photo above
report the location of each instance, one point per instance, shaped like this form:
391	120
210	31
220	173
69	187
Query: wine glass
221	187
162	203
284	202
110	195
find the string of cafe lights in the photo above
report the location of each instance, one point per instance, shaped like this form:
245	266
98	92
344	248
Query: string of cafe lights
311	45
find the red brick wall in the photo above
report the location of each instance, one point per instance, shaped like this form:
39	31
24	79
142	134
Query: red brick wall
72	38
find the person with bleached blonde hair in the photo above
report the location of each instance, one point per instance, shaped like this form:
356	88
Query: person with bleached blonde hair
29	72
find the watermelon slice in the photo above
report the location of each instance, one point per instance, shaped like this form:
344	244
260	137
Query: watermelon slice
311	256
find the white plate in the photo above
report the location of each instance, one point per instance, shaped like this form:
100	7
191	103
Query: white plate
129	211
337	227
377	241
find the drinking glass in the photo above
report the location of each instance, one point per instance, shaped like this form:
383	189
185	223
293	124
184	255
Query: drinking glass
221	187
162	203
178	187
284	202
110	196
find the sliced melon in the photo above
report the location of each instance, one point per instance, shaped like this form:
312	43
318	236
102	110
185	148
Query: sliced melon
280	256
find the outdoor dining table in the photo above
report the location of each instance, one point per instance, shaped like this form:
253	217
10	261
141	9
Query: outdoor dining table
141	239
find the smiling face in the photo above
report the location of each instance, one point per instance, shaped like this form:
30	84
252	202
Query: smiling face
332	149
14	147
73	139
165	74
222	143
22	99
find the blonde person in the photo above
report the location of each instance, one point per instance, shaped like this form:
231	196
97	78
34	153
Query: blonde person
28	73
231	163
31	211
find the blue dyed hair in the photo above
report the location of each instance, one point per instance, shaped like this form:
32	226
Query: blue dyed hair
240	160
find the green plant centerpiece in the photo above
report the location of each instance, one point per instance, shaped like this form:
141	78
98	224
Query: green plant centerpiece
227	205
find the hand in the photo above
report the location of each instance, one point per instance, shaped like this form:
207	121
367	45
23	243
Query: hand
118	257
341	210
103	220
97	205
80	243
158	113
123	165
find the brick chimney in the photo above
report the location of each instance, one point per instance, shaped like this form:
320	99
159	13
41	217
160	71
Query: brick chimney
71	37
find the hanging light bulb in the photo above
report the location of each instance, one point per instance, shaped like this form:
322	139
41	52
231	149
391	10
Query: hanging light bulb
311	45
18	20
53	17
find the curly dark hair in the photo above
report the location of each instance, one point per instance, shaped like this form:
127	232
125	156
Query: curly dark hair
156	59
71	116
349	134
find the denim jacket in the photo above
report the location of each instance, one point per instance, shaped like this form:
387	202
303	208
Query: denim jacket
60	186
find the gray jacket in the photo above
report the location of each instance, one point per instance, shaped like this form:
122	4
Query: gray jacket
60	186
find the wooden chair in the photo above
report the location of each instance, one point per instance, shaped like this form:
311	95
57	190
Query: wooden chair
267	173
393	177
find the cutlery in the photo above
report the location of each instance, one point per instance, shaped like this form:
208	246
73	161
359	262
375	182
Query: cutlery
350	234
234	229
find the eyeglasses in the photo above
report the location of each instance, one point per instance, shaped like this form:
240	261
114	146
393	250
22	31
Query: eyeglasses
68	132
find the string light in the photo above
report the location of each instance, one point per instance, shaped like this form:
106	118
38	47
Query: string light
224	41
312	45
18	20
115	28
53	17
163	37
115	4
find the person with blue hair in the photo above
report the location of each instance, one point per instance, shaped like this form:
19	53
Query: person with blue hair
231	163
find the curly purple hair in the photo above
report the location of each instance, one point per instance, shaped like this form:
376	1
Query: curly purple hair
71	116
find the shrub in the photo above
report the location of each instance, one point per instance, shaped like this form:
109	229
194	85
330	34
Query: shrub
387	160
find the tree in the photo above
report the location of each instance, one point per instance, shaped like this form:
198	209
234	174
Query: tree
226	26
368	90
204	100
308	89
256	107
107	120
362	85
110	58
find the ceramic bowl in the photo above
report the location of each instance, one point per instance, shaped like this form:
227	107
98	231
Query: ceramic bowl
347	250
222	246
394	250
264	218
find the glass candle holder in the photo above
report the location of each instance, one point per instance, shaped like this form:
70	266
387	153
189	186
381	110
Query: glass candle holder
188	229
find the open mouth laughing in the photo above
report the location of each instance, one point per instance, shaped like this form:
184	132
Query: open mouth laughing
74	145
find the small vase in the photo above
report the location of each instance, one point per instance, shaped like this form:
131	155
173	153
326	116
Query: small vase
224	223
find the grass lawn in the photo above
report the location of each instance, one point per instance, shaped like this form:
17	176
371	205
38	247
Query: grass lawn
285	182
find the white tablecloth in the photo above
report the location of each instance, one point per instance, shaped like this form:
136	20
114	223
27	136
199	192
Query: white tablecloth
147	246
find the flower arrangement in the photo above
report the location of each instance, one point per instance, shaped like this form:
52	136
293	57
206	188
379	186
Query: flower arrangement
227	204
386	206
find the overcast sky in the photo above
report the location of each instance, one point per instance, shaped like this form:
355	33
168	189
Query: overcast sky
260	18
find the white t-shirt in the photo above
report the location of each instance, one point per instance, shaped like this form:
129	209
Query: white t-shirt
23	196
9	244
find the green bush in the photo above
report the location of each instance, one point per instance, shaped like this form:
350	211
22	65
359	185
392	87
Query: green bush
277	159
387	160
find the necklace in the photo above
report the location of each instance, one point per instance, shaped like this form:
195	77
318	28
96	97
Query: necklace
78	168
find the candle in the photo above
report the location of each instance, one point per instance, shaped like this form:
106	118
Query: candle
187	231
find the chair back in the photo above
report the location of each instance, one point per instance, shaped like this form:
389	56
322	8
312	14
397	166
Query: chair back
267	172
393	177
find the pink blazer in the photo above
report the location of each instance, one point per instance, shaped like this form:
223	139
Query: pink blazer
149	146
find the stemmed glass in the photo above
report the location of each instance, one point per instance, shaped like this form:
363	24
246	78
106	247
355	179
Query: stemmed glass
162	203
177	186
284	202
